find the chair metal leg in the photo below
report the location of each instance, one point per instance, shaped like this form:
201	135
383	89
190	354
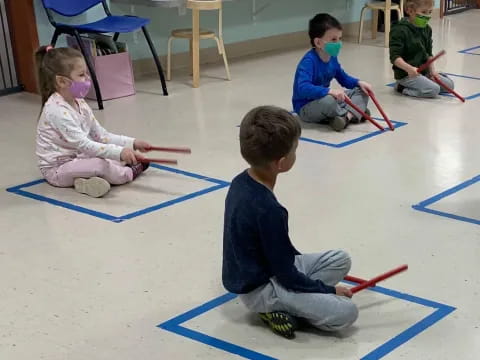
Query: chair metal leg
91	69
169	58
221	50
56	34
157	60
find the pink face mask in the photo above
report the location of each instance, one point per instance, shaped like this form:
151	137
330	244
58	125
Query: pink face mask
79	89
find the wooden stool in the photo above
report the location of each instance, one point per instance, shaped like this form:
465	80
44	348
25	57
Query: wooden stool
384	6
195	34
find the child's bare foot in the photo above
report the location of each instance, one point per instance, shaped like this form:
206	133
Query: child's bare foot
95	187
281	323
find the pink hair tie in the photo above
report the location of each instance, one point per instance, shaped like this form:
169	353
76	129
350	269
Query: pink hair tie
48	48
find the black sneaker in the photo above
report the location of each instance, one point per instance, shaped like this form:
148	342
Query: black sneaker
355	120
338	123
367	111
281	323
399	88
139	168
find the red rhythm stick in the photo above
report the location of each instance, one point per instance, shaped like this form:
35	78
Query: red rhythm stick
374	99
366	116
158	161
183	150
378	278
451	91
430	61
354	279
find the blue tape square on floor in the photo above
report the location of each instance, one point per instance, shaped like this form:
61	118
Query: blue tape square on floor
396	125
214	184
424	205
471	51
175	325
467	97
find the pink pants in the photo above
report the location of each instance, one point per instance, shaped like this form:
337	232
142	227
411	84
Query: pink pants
112	171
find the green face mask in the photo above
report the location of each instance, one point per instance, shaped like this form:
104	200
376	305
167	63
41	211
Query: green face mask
333	48
422	20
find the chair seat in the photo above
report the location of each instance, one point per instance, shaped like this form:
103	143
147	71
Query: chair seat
380	5
188	34
115	24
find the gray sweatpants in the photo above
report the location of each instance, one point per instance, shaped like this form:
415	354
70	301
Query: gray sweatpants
321	110
422	86
325	311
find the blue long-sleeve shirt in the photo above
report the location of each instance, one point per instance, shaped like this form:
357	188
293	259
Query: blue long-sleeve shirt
313	77
256	245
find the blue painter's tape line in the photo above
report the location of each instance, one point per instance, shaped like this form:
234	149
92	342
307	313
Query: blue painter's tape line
448	192
190	174
471	97
403	296
447	215
118	219
408	334
441	311
180	319
463	76
31	183
319	142
220	344
66	205
467	51
172	202
396	124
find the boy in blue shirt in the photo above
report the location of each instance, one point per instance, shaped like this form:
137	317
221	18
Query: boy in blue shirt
259	261
313	99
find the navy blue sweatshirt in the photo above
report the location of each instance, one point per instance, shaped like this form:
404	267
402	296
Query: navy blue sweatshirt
313	77
256	245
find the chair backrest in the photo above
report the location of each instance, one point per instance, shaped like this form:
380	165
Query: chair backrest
70	7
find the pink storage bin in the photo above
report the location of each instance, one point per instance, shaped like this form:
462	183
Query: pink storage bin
114	75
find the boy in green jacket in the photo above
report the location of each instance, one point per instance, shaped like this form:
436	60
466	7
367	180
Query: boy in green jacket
410	47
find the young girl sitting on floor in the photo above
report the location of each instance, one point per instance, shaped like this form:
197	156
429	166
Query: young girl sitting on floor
72	147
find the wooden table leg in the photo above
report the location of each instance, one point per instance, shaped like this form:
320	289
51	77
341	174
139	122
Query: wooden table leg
374	23
196	47
388	16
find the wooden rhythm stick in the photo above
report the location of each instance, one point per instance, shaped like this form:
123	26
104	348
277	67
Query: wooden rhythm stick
378	278
445	86
385	117
182	150
366	116
430	61
158	161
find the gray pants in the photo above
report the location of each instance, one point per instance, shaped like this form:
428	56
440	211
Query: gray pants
321	110
325	311
422	86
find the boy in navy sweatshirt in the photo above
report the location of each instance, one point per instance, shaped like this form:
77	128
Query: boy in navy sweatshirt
259	261
313	99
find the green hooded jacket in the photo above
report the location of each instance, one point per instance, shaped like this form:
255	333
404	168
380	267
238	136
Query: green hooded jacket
412	43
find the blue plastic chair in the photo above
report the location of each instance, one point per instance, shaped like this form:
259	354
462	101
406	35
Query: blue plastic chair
109	24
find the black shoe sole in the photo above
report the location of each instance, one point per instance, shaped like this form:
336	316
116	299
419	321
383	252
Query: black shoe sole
280	323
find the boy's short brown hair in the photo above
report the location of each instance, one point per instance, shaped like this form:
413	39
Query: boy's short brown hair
415	4
267	133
